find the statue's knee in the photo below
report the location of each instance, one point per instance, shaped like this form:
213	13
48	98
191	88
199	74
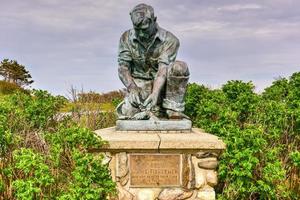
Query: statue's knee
178	68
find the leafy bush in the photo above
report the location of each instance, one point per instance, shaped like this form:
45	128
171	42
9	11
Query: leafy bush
33	176
261	132
45	158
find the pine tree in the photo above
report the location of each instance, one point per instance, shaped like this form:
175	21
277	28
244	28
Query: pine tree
13	72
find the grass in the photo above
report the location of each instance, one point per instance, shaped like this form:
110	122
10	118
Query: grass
78	106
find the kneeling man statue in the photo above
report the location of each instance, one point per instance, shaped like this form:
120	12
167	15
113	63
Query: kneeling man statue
155	81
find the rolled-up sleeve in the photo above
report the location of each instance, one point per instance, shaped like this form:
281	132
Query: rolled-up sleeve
124	55
169	51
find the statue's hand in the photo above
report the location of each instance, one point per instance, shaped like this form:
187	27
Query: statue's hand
134	97
141	115
151	101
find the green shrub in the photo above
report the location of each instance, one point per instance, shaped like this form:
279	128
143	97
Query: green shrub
261	133
43	158
295	157
33	175
39	109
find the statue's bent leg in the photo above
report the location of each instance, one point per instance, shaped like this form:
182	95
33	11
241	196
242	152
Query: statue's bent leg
177	79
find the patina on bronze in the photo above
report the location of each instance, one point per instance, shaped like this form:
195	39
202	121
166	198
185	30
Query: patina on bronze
155	170
155	81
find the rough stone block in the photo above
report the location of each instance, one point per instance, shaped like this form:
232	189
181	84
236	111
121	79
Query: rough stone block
211	178
208	163
207	193
174	193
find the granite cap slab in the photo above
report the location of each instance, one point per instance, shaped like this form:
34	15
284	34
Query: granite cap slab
158	141
153	125
131	140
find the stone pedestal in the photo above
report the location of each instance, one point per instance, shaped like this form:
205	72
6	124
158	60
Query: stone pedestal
162	164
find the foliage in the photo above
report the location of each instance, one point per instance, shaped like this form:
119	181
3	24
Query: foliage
295	157
261	132
43	156
13	72
93	110
40	109
97	120
88	178
9	88
116	101
33	176
100	98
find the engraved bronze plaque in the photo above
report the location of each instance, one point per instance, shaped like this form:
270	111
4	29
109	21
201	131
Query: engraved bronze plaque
155	170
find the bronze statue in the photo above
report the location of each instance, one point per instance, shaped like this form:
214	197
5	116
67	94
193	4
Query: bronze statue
155	81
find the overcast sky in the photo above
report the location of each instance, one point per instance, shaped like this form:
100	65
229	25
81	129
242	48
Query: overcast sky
74	42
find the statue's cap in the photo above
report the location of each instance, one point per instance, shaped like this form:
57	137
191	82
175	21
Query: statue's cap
141	12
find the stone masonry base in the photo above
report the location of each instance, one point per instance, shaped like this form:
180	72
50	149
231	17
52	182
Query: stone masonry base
188	170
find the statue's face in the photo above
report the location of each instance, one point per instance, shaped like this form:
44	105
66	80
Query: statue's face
146	30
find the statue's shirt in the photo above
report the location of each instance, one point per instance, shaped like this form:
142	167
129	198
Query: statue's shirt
143	61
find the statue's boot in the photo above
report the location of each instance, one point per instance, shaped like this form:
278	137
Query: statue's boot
177	80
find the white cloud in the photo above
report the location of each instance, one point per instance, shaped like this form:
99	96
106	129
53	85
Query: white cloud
268	30
199	27
240	7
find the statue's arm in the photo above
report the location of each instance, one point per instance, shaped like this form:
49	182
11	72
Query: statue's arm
124	60
126	78
160	79
158	84
167	56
